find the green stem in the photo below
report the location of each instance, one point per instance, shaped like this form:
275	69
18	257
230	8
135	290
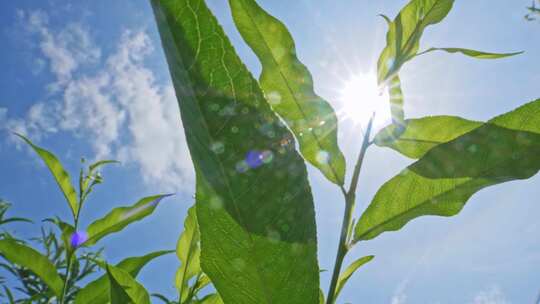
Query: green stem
350	198
70	255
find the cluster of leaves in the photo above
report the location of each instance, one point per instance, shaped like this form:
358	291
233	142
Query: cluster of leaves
33	289
56	274
257	246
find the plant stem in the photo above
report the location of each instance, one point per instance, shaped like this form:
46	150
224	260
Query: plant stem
350	198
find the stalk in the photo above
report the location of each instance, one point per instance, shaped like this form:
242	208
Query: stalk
350	198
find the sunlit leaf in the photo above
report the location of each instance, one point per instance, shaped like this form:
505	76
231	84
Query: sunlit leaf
25	256
124	289
210	299
349	271
188	252
472	53
422	134
120	217
288	86
97	291
504	149
321	297
405	31
60	175
396	104
254	205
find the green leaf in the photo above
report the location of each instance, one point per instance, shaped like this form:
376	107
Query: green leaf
37	263
66	230
504	149
288	86
120	217
254	204
60	175
471	53
97	291
210	299
100	163
405	31
422	134
188	251
346	275
396	104
321	297
124	289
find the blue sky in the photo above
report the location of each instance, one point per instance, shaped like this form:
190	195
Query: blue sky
90	79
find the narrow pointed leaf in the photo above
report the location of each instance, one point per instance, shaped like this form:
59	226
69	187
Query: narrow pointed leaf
59	173
124	289
422	134
188	252
100	163
504	149
97	291
254	205
472	53
405	31
120	217
288	86
25	256
349	271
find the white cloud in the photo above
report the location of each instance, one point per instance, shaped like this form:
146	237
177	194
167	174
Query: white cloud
65	50
120	108
493	295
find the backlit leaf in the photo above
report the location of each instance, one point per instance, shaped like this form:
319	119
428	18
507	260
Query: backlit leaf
254	205
188	252
349	271
504	149
472	53
59	173
124	289
422	134
25	256
97	291
120	217
405	31
288	86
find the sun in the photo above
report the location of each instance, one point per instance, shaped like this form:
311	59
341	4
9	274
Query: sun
360	97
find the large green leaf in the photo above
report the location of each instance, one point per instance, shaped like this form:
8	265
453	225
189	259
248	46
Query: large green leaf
288	86
421	134
59	173
405	31
120	217
124	289
97	291
440	183
37	263
349	271
254	204
188	251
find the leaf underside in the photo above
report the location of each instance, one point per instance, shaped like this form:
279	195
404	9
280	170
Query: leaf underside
254	204
289	88
505	148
